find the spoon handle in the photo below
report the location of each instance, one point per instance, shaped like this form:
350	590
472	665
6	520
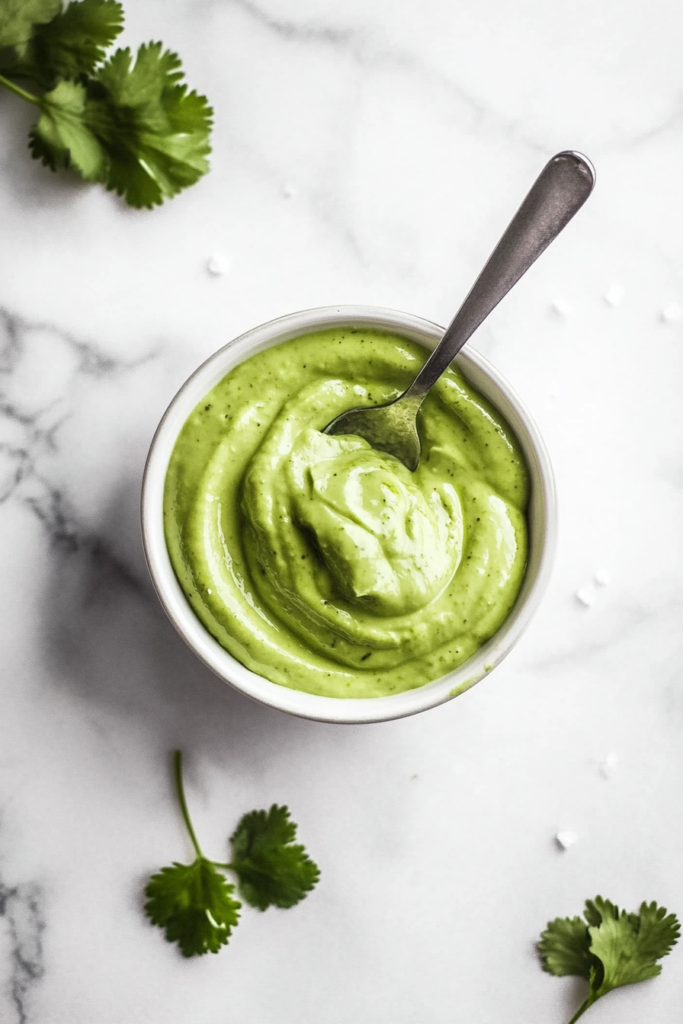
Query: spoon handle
558	193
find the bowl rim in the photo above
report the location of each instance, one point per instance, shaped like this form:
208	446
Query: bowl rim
542	515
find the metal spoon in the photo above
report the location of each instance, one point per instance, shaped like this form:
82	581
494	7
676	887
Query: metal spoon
558	193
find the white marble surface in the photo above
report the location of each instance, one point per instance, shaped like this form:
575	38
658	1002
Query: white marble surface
363	152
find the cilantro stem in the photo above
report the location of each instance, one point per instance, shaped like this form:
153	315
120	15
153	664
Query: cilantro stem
178	773
582	1009
19	91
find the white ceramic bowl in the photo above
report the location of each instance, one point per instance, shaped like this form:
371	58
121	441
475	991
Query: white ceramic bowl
542	520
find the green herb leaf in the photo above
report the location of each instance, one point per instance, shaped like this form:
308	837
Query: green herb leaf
156	134
19	17
73	43
612	949
194	906
193	902
629	945
133	128
129	123
271	871
565	948
62	136
598	909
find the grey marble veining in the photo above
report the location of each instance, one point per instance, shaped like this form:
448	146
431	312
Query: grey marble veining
21	918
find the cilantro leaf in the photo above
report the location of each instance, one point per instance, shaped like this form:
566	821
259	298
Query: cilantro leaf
193	903
612	949
62	137
194	906
271	870
129	123
134	127
598	909
565	948
629	945
155	132
73	43
18	18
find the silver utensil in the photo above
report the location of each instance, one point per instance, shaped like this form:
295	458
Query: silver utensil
558	193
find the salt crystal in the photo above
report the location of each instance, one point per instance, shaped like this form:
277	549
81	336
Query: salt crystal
671	312
561	307
602	578
614	296
608	767
218	264
566	838
586	596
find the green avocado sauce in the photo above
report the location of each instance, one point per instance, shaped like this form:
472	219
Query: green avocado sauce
325	565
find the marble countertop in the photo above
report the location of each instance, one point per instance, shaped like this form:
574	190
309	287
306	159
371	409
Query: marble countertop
363	153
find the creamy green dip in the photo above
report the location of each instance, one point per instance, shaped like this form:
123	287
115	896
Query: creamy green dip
327	566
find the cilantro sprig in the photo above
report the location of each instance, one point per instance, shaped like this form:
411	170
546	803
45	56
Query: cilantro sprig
194	903
610	948
128	122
